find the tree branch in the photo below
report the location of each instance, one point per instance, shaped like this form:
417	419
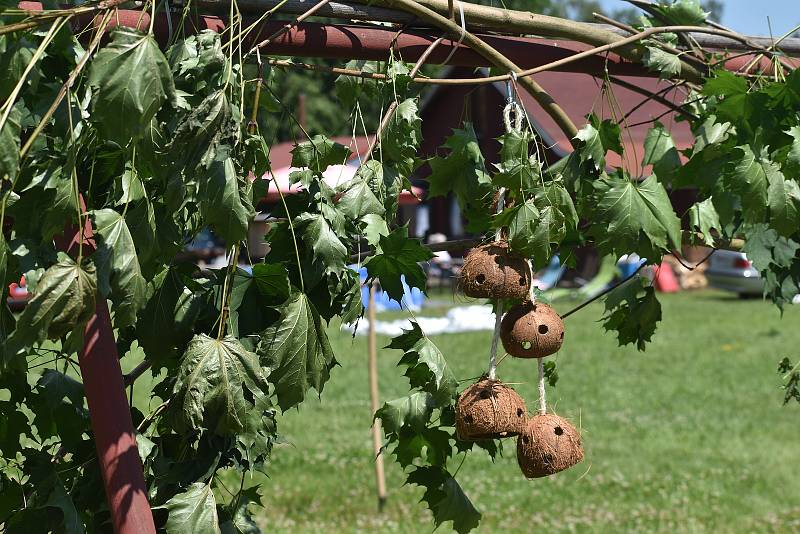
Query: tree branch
493	56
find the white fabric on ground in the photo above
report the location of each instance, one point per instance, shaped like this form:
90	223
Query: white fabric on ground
458	319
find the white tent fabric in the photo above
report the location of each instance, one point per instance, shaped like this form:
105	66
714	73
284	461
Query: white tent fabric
459	319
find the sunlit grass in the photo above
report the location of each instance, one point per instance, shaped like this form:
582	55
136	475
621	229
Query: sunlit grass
688	436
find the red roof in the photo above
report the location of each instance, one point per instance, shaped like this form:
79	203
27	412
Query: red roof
580	94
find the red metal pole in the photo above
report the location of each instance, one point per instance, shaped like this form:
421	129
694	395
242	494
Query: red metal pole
109	413
112	426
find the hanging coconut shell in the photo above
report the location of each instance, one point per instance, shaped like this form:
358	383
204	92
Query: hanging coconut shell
489	409
548	445
492	271
532	330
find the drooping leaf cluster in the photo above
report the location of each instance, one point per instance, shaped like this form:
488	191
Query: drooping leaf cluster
420	430
147	149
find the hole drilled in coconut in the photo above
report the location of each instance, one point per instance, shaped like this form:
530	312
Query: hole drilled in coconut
522	282
489	409
562	335
520	412
543	329
549	444
480	279
526	345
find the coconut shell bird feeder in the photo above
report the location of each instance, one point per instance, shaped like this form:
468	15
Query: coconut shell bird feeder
493	271
548	444
532	330
489	409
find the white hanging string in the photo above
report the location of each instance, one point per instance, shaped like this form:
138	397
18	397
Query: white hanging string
460	37
542	401
498	312
539	361
512	124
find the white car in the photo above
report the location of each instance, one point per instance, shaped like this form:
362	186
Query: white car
732	271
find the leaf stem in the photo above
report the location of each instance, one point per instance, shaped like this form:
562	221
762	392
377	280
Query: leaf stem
291	229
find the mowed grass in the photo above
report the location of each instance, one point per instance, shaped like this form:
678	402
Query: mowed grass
688	436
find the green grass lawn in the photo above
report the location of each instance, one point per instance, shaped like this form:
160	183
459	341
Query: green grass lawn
688	436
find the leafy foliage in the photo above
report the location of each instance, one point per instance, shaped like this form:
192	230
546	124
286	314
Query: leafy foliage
397	259
792	377
419	439
297	352
633	311
150	147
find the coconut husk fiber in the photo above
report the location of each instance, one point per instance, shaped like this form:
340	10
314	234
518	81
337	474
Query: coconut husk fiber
532	330
489	409
548	445
492	271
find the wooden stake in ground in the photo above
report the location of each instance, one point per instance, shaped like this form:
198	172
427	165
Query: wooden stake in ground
372	363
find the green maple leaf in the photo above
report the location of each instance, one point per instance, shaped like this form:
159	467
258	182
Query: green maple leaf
793	157
711	133
425	365
358	200
131	80
660	152
784	253
431	445
327	250
784	202
703	217
119	275
445	498
219	386
633	311
398	256
297	351
609	134
319	153
749	180
375	227
62	302
9	146
222	203
659	60
272	282
637	217
758	245
241	521
166	323
402	136
591	147
463	172
413	411
194	510
199	134
681	13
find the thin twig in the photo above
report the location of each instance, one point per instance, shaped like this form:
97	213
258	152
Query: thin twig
286	27
136	372
603	293
387	117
